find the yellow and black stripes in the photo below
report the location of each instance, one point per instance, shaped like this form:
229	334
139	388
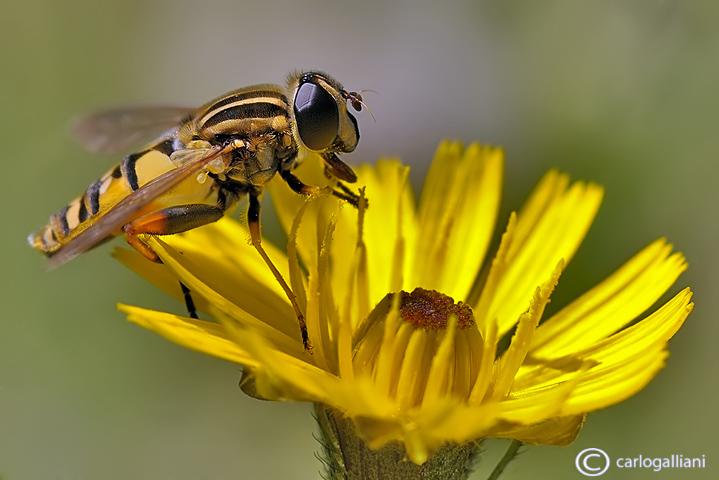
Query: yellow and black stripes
128	166
129	170
92	196
253	111
116	184
83	213
267	94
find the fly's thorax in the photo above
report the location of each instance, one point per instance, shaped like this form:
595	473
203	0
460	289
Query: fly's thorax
244	113
261	157
259	118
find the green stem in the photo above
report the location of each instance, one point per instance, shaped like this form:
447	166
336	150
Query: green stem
508	457
346	457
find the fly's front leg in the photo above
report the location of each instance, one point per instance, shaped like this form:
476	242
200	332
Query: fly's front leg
297	186
354	198
166	222
346	194
253	221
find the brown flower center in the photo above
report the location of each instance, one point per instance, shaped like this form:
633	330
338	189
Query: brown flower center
430	310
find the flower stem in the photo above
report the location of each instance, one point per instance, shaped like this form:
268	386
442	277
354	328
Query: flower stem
506	459
347	457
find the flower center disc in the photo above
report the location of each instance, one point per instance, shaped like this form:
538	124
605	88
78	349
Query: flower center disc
430	310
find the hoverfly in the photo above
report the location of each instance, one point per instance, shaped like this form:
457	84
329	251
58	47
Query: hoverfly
238	141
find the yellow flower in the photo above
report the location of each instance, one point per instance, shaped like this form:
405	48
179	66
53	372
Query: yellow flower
423	367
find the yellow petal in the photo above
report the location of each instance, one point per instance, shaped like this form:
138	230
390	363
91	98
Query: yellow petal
484	299
456	422
457	212
206	337
253	305
512	359
411	373
631	358
389	225
558	431
390	214
634	344
485	368
157	274
616	369
440	374
289	378
539	404
612	304
228	241
321	310
654	331
548	229
285	201
275	371
602	387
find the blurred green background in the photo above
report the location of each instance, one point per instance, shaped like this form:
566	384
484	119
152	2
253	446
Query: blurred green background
622	93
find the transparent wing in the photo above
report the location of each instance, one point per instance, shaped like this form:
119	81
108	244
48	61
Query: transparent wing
127	208
116	130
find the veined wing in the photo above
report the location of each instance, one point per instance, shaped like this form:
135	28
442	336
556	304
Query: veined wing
116	130
126	209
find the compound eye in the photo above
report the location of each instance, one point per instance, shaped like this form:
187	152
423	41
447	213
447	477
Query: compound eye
317	116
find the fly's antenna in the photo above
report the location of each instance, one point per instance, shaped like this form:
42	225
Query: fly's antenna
355	99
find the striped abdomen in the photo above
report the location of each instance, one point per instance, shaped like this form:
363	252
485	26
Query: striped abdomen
132	173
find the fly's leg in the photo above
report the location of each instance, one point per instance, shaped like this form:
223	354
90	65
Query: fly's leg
166	222
349	195
253	221
346	194
297	186
189	303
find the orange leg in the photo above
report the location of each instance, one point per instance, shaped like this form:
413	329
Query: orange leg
166	222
